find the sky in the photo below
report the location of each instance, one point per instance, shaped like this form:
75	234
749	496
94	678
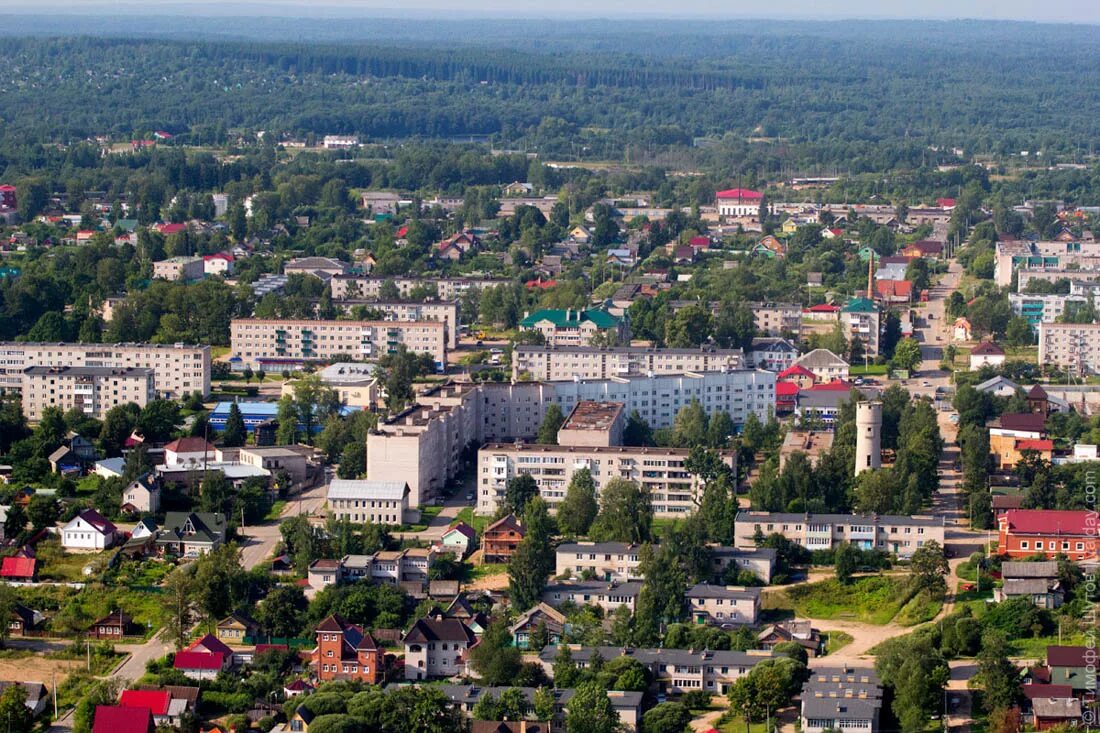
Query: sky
1081	11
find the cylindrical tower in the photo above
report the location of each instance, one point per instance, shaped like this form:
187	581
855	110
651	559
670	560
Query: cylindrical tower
868	436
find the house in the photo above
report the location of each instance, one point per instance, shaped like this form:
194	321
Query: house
928	248
89	530
1026	532
142	496
1073	666
1051	712
454	247
772	353
323	573
961	330
822	312
800	632
345	651
64	461
18	569
144	529
461	609
798	375
110	467
23	619
204	659
723	606
437	647
235	628
500	539
296	688
580	235
460	540
627	705
575	327
157	702
825	365
220	263
37	695
188	452
986	353
1038	401
738	203
113	626
893	292
297	723
608	595
190	534
1036	581
529	622
120	719
769	246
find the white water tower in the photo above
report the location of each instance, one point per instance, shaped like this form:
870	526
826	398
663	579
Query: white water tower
868	436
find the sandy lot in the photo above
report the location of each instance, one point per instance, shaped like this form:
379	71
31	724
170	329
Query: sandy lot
37	668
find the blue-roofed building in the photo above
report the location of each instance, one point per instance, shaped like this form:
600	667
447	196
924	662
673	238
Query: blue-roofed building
257	413
110	467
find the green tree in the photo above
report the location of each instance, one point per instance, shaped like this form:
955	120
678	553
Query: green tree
846	559
690	326
551	423
282	613
929	568
637	431
999	677
667	717
518	492
545	704
495	659
906	355
43	511
876	491
14	711
579	508
221	584
1018	332
353	460
626	514
234	434
532	562
590	711
689	427
177	605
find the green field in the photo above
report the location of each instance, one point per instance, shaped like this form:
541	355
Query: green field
870	370
873	600
920	609
836	640
476	521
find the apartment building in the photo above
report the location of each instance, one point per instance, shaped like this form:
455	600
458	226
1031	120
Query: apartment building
426	444
1026	532
723	605
777	319
556	363
92	390
446	288
1043	256
575	327
861	319
673	490
675	671
445	311
1080	279
377	502
617	562
1074	347
258	342
180	268
178	369
846	700
386	566
607	595
1045	308
898	535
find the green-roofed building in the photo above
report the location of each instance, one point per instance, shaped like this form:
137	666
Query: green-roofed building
126	225
575	327
860	318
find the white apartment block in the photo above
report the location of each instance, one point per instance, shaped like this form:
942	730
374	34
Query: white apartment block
559	363
1074	347
180	268
1045	308
777	319
447	288
672	489
898	535
844	700
425	444
607	595
617	562
723	605
92	390
377	502
445	311
178	369
1043	256
1024	277
258	341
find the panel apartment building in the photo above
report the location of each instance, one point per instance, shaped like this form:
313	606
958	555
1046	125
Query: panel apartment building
428	443
447	288
259	342
92	390
177	369
413	310
1074	347
770	319
894	534
558	363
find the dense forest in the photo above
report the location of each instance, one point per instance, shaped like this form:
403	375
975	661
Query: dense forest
758	98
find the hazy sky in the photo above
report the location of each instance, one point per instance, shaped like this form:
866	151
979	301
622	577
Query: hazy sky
1083	11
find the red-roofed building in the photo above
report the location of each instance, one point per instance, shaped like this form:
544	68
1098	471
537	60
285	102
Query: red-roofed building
7	197
201	665
220	263
822	312
18	568
798	375
700	242
500	539
786	397
155	701
541	284
167	229
119	719
210	644
837	385
1024	532
739	202
924	248
894	291
345	651
986	353
945	203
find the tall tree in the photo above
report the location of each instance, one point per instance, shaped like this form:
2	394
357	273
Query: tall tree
551	423
590	711
579	508
234	434
495	658
518	492
532	562
626	513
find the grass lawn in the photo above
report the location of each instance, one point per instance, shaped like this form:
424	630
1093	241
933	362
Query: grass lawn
478	522
873	600
427	513
920	609
738	726
56	564
483	571
836	640
275	511
88	484
868	370
1037	648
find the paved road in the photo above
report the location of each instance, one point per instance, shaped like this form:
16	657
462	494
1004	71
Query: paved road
259	540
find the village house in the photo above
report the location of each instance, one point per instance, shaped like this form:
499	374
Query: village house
190	534
142	496
541	616
1036	581
500	539
114	626
89	530
437	647
235	628
799	632
345	651
120	719
986	353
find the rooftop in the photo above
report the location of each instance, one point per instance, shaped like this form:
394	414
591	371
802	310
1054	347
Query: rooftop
366	489
916	520
592	415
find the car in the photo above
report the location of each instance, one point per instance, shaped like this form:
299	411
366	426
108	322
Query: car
858	380
954	418
926	383
469	497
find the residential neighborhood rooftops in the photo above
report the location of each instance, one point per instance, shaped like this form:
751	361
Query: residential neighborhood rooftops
567	317
119	719
987	348
364	488
1016	569
156	701
1049	522
592	415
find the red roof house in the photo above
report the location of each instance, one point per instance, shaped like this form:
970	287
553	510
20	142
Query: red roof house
201	665
1025	532
167	229
210	644
894	291
119	719
18	568
739	194
945	203
155	701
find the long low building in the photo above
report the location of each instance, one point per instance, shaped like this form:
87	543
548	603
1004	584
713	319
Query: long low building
555	363
412	310
377	502
178	369
628	705
91	390
260	343
843	699
427	444
608	596
898	535
673	490
446	288
619	561
675	671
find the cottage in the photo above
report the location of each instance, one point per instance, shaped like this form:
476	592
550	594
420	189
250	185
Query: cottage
500	539
23	619
800	632
460	540
437	647
19	569
723	606
204	659
235	628
142	496
190	534
113	626
119	719
1036	581
345	651
532	620
89	530
986	353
